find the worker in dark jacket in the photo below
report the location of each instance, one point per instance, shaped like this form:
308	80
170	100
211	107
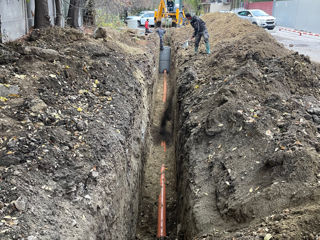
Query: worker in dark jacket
200	30
170	5
161	33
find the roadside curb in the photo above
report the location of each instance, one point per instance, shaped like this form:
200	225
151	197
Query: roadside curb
299	32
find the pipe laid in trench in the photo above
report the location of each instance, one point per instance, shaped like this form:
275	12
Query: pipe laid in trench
164	60
162	206
164	97
164	67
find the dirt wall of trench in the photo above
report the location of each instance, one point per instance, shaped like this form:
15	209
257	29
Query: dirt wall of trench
247	136
74	116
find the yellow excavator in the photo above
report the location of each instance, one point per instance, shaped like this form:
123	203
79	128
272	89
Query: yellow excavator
167	11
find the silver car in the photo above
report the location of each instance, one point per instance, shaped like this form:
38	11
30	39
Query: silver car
258	17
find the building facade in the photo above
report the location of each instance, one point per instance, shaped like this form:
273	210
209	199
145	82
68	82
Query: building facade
266	6
218	5
215	5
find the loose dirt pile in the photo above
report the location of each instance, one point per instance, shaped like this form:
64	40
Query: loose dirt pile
74	113
247	136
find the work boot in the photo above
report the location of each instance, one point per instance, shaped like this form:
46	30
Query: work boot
208	47
196	50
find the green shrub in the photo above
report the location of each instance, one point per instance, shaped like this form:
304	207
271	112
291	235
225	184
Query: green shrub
107	20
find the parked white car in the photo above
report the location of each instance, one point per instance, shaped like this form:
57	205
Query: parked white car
137	18
144	18
258	17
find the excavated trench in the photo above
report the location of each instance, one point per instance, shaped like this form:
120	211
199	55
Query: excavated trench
76	160
160	150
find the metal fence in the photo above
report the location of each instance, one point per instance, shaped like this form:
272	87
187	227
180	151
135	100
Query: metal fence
298	14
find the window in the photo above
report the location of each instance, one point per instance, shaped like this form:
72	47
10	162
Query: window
243	13
148	15
259	13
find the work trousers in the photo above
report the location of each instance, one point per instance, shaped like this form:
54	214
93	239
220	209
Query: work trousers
161	43
203	34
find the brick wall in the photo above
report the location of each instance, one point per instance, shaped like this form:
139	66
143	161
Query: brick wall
265	6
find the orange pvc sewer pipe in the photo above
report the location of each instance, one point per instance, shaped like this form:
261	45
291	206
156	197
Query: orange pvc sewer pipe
164	96
164	145
162	207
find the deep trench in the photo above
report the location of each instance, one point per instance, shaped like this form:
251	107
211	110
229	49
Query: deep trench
161	130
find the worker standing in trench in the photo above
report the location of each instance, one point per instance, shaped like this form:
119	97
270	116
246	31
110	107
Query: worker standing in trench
161	33
200	30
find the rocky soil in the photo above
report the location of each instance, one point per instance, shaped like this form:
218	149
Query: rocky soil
74	112
247	136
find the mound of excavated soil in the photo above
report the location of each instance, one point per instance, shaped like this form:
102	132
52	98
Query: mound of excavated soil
228	29
74	112
247	136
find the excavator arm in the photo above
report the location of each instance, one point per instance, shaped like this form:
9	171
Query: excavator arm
161	12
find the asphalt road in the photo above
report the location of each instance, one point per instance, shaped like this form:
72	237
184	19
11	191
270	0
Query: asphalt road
307	45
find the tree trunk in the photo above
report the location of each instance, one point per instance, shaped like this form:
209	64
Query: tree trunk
42	18
70	12
74	13
89	15
0	31
232	4
197	7
58	21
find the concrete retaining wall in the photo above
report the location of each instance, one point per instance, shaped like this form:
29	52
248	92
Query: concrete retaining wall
13	19
17	17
